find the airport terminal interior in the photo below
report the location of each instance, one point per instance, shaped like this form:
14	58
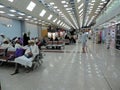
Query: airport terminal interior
59	44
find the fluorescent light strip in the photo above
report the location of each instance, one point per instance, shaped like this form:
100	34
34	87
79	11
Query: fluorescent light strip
90	20
80	6
2	12
31	6
80	10
86	20
65	5
74	21
10	0
29	16
1	6
58	21
78	1
12	10
12	15
42	13
55	20
21	13
20	17
26	19
52	3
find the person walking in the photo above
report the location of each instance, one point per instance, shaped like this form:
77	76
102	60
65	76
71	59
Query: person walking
84	41
108	40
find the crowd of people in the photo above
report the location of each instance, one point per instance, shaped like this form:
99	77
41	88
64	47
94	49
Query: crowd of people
29	47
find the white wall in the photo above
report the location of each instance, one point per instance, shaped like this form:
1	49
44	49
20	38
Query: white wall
32	28
10	32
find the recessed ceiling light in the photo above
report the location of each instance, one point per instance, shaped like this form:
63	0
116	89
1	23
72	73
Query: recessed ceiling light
12	15
68	11
31	6
1	6
55	20
63	1
55	7
93	1
78	1
50	16
11	0
68	8
103	0
2	12
52	3
65	5
58	21
26	19
20	17
12	10
58	10
29	16
35	18
42	13
21	13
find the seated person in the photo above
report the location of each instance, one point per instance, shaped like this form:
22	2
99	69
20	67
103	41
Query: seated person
18	44
6	44
56	39
51	39
28	57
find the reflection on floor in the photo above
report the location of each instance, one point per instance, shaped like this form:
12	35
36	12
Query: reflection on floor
98	69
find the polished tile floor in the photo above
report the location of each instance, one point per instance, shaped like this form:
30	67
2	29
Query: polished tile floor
98	69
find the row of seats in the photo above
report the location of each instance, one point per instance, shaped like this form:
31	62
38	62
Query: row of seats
8	55
55	44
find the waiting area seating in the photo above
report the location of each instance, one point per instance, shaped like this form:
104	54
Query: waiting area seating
55	44
8	56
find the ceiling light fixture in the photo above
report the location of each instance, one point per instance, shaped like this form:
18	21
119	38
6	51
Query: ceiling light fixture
20	17
21	13
12	10
2	12
12	15
78	1
31	6
10	0
63	1
80	6
29	16
1	6
42	13
52	3
50	16
55	20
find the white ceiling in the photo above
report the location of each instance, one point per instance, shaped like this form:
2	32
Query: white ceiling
75	17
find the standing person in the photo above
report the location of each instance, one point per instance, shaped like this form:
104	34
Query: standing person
25	39
84	41
108	40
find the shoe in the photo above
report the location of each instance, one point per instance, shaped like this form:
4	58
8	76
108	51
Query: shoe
15	73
